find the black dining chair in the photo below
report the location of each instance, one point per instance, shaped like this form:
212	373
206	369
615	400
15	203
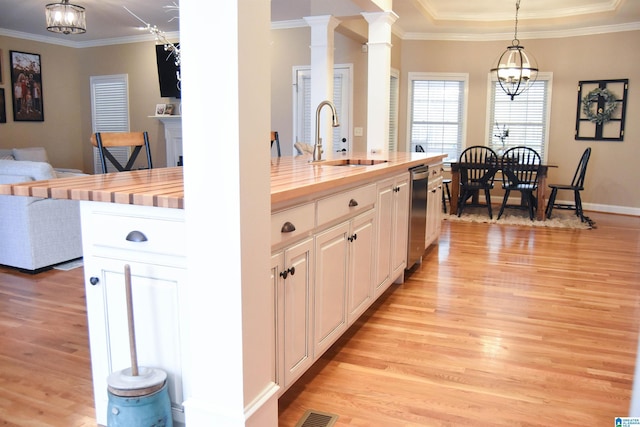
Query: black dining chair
519	167
577	185
478	166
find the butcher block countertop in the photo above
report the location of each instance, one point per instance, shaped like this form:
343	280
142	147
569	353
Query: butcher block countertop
292	179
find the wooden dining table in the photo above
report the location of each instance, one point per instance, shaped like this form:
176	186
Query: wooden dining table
540	192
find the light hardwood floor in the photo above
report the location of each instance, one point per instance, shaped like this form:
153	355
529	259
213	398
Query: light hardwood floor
500	326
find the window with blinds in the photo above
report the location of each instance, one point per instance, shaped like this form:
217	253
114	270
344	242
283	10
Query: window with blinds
437	109
393	111
110	111
525	118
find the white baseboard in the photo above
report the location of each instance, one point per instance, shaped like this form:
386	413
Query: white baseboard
595	207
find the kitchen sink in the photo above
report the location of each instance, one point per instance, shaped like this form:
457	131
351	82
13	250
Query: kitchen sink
352	162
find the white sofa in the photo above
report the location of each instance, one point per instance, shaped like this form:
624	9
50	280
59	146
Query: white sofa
36	233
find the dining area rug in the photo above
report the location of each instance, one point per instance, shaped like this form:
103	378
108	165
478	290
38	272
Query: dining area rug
559	219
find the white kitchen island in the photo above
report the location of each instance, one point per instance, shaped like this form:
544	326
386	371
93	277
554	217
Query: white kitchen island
338	240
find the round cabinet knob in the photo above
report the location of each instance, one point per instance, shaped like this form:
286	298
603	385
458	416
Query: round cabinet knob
94	281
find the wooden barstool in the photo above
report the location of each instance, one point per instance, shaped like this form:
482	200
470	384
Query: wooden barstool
446	194
275	138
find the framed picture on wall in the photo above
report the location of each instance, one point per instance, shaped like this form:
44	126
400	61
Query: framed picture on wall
3	108
26	87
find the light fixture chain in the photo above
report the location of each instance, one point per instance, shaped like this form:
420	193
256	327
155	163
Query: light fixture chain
516	42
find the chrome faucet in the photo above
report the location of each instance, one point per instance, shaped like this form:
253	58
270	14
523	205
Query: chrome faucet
317	148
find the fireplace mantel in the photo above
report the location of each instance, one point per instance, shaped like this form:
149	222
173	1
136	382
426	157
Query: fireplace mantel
173	138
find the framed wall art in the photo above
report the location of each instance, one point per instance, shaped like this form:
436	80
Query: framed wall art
3	108
601	109
26	87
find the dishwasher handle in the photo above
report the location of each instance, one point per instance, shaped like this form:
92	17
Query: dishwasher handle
419	172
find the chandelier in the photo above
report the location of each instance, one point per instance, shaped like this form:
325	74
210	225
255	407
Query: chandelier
516	70
65	18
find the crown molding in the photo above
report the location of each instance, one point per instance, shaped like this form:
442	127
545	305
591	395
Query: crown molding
553	34
146	37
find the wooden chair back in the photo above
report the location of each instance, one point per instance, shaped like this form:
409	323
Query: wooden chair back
135	140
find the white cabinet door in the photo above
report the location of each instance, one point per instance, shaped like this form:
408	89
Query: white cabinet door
392	231
434	210
291	275
330	287
156	293
401	225
384	235
360	289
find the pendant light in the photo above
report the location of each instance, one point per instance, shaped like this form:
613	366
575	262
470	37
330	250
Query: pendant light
516	70
65	18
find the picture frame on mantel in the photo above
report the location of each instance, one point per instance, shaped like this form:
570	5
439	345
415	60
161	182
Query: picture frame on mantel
26	87
601	110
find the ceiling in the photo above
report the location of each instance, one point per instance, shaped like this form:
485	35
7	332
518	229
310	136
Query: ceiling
108	22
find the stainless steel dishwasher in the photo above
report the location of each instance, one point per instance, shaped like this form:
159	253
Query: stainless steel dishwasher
417	214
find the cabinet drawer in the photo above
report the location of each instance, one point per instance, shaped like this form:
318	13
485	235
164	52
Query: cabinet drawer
346	203
164	236
435	171
300	217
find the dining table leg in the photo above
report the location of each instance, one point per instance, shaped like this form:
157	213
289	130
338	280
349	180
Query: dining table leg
541	193
455	189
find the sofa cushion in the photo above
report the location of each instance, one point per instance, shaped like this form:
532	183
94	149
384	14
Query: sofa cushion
33	154
6	154
11	170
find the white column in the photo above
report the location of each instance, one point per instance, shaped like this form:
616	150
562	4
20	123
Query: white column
322	51
379	74
228	363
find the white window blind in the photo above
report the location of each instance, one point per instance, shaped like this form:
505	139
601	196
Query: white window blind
304	83
525	118
393	112
110	111
437	106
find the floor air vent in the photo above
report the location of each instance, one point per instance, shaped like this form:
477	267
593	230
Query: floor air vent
313	418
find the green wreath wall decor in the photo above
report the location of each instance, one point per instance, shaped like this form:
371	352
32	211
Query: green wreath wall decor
601	115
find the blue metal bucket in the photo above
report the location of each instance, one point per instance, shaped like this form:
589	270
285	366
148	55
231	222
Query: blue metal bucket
153	410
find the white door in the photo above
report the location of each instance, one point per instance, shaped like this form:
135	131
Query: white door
303	110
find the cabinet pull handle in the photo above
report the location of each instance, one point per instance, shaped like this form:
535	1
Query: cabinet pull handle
136	236
94	281
288	271
434	190
353	237
287	227
353	203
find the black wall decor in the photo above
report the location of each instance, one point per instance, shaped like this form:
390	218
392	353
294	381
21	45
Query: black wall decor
601	109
